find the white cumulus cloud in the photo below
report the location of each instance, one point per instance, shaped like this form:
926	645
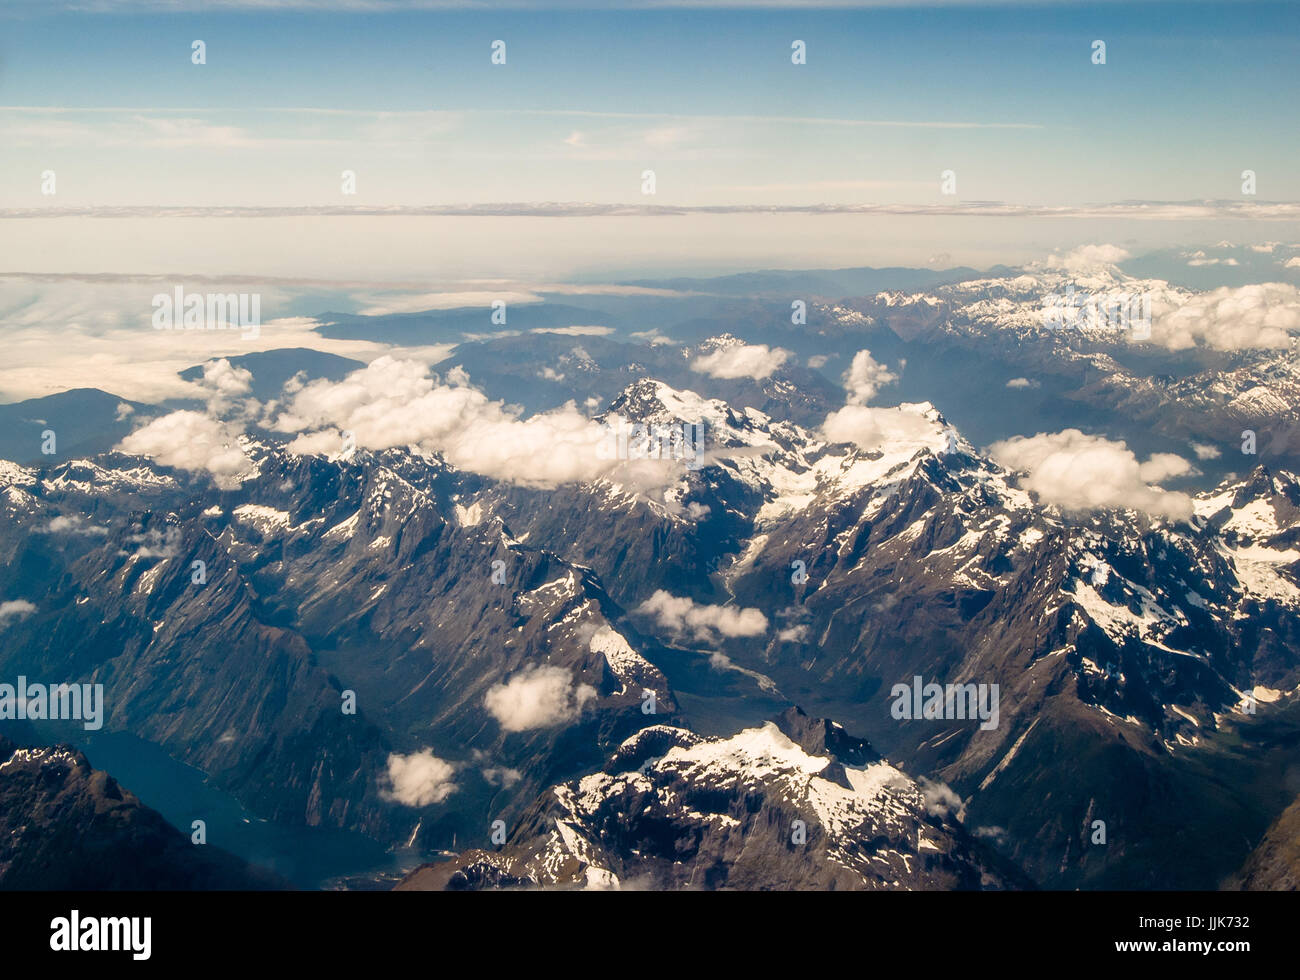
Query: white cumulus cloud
683	617
73	524
326	442
756	361
12	608
502	776
865	377
418	779
541	697
1262	315
192	441
869	427
1088	258
227	385
394	402
1083	472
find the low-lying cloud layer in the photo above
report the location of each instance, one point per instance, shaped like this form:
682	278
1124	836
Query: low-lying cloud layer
85	332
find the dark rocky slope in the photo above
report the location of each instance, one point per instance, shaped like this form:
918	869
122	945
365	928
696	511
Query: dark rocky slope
67	826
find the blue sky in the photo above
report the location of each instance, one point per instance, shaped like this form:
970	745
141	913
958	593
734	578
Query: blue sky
171	173
1006	96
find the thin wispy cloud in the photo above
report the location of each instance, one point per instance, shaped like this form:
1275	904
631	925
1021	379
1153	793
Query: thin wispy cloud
663	135
1140	210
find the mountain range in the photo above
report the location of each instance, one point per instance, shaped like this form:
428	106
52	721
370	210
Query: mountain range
644	674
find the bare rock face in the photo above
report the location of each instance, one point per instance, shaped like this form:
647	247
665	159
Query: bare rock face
321	577
1135	647
1274	865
